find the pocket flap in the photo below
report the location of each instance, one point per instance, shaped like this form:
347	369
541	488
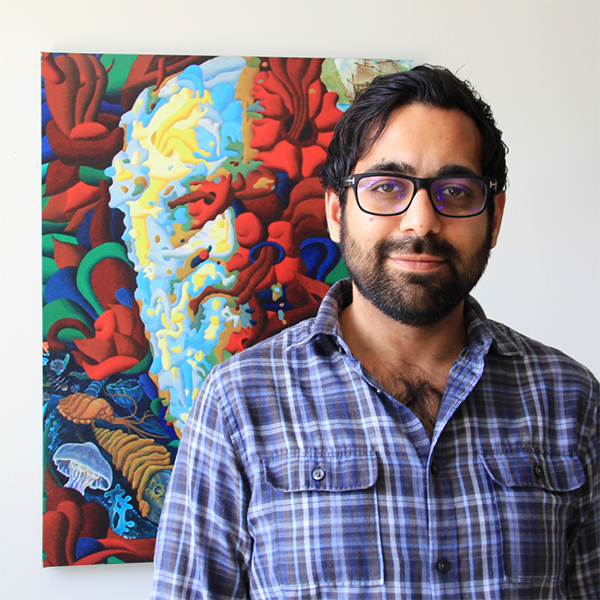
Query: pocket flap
559	473
328	472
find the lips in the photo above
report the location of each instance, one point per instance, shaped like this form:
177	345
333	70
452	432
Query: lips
418	262
428	250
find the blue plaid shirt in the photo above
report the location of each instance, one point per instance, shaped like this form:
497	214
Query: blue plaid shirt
300	477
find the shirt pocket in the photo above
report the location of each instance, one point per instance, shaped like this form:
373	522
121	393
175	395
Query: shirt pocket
535	495
327	529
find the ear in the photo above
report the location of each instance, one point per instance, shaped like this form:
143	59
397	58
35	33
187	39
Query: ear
500	201
333	210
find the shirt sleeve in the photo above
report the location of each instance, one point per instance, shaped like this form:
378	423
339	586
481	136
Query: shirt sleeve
203	545
583	575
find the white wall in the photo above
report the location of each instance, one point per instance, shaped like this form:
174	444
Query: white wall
536	62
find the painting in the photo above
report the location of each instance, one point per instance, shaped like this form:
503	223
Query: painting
183	220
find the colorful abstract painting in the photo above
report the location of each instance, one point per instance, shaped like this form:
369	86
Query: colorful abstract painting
183	221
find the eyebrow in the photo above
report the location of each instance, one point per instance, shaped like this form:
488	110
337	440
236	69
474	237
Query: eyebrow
401	168
391	166
456	170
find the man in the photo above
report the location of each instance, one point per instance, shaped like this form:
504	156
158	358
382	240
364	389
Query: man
399	445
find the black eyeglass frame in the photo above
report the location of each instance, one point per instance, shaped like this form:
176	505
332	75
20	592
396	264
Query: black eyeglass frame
422	183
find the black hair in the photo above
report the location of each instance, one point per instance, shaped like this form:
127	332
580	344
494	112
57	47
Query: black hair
364	122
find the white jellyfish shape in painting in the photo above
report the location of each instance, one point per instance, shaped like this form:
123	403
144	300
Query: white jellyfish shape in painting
84	466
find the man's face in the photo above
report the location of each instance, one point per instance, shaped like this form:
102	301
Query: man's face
417	267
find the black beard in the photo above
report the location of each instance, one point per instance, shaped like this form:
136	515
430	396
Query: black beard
418	300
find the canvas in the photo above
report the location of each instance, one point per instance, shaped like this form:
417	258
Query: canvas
183	221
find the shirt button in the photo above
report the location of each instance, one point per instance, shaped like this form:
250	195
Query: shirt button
538	471
443	565
318	474
435	469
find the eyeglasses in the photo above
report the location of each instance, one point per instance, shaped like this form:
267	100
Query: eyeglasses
390	194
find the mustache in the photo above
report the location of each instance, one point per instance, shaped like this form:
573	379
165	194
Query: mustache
429	244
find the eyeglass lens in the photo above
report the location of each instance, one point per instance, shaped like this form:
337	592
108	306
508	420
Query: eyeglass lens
452	196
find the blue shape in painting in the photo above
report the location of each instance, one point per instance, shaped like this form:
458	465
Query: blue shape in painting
119	505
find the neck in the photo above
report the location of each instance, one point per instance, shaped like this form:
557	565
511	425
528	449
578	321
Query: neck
377	341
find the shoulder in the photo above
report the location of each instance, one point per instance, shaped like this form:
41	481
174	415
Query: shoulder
540	360
271	350
259	376
530	357
292	345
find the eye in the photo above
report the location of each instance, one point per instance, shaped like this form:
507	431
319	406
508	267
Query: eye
460	189
387	186
458	196
455	191
384	194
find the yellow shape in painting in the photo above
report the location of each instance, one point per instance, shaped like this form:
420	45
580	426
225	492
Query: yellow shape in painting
264	183
277	291
148	203
219	232
178	312
179	236
149	270
140	210
211	330
181	142
177	317
198	356
170	138
137	104
183	116
121	173
243	93
173	328
229	328
163	345
142	245
207	269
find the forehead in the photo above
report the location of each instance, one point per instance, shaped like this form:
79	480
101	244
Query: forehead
426	139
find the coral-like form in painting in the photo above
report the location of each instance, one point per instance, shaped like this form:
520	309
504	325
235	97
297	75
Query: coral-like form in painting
141	461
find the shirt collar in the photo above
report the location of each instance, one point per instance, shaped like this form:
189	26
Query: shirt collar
481	331
327	322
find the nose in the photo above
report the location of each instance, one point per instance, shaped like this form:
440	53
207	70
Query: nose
420	218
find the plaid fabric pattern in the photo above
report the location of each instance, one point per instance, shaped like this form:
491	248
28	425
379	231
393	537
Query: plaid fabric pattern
300	477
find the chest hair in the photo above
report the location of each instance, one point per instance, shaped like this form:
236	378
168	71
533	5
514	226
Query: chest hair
416	393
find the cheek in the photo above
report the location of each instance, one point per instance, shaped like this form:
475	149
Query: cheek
467	235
